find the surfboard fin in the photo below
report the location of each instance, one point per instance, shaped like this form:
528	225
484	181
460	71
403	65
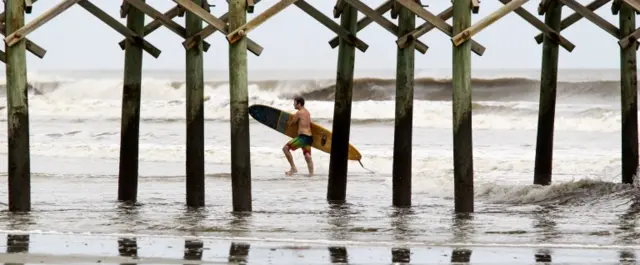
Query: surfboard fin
365	167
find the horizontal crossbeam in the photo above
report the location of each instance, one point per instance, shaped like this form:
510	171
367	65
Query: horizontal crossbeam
167	22
385	23
365	21
122	29
215	22
35	49
593	17
469	32
546	30
575	17
243	30
437	22
42	19
403	41
332	25
155	24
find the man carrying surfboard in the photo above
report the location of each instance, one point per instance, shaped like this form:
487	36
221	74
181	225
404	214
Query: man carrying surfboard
304	138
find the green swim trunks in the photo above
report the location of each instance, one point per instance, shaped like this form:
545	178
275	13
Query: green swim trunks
301	141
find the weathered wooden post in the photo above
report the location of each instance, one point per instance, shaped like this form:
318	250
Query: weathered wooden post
337	183
19	165
629	95
547	105
462	132
131	93
239	97
195	113
402	137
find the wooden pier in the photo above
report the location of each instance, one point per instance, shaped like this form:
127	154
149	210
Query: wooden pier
200	24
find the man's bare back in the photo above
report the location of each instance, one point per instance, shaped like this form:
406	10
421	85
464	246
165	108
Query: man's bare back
304	122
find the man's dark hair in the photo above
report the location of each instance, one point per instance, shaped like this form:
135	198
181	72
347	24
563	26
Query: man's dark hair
299	100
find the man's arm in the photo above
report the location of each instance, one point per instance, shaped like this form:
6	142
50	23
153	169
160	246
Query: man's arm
295	119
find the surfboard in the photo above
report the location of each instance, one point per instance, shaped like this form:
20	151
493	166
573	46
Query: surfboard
277	119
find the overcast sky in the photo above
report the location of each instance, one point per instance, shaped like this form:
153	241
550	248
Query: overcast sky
294	40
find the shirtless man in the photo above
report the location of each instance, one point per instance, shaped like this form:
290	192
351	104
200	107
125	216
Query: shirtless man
303	140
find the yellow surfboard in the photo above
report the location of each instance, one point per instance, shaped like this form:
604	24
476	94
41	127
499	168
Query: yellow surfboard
277	119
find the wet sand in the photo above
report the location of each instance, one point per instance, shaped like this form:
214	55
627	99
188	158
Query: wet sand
85	249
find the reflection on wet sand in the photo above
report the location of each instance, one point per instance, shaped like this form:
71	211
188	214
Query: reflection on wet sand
128	247
402	232
17	244
546	230
338	255
543	255
627	231
193	249
400	255
461	228
338	217
460	255
238	253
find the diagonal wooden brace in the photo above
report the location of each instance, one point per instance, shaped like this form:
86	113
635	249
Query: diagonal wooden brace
215	22
31	46
633	4
625	41
207	31
385	23
42	19
437	22
3	57
122	29
534	21
403	41
486	21
243	30
332	25
167	22
575	17
155	24
593	17
365	21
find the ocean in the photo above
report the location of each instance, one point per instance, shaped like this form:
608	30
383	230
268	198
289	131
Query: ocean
75	132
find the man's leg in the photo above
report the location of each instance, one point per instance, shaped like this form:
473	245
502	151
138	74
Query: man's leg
307	157
291	145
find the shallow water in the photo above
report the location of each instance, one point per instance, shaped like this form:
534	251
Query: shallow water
75	147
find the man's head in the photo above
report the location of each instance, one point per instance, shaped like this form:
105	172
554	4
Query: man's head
298	102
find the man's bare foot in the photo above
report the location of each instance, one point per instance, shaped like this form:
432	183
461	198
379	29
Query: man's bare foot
291	172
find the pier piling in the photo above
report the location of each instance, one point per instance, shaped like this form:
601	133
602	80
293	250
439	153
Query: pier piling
195	189
402	136
337	183
461	104
19	164
547	105
628	95
131	97
239	102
